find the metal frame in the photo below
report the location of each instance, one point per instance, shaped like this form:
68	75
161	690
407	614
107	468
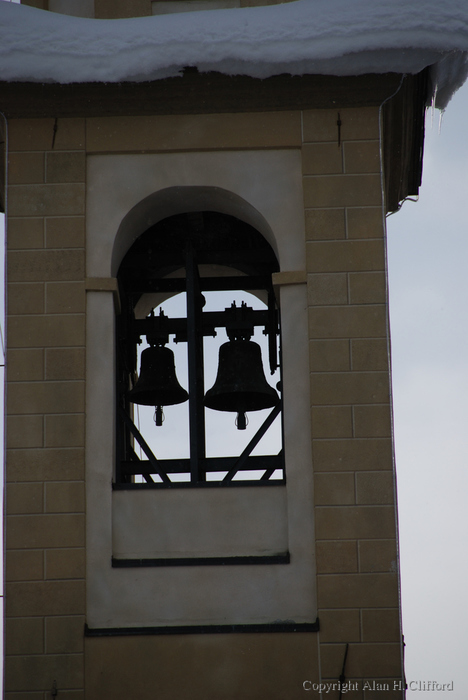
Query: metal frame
271	627
192	330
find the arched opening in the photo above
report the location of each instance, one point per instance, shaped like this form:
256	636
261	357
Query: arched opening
191	285
182	547
171	201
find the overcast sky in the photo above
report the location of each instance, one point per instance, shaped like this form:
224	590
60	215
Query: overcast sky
428	281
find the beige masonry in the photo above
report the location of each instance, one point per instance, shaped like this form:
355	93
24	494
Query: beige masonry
45	511
342	282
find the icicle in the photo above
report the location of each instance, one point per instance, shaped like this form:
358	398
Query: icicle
433	101
441	116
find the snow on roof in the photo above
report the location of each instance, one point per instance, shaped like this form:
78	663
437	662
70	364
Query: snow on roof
331	37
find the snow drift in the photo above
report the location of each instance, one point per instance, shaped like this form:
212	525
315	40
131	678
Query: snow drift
331	37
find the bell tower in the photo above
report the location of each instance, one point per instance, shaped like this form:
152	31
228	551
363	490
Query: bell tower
200	479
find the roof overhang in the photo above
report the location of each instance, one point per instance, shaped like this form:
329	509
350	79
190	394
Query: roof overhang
402	98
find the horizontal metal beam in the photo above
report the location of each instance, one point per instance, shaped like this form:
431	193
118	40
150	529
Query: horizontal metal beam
210	464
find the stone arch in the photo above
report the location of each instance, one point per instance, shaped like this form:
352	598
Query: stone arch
177	200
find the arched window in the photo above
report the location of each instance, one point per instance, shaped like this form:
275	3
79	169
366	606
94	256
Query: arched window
194	283
190	549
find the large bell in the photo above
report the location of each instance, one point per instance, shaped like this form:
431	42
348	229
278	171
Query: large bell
157	384
240	384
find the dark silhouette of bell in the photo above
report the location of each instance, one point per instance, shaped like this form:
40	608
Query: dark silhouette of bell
240	384
157	384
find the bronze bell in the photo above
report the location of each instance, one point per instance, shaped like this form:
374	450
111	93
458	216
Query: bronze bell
240	384
157	384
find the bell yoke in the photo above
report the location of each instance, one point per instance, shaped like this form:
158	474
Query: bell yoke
240	384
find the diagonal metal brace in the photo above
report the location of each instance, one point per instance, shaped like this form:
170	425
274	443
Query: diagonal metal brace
253	443
146	475
144	445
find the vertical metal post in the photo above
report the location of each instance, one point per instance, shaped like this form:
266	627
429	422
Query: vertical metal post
195	367
272	329
122	435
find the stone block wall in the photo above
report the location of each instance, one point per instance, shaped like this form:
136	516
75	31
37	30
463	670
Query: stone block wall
350	401
45	562
357	575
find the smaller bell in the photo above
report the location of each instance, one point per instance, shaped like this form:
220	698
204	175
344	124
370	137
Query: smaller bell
157	384
240	384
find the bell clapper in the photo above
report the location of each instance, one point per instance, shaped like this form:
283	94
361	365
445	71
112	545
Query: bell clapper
158	416
241	421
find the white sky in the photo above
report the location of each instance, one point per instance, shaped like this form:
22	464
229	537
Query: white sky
428	250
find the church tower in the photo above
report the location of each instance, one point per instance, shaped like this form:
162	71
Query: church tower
208	248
